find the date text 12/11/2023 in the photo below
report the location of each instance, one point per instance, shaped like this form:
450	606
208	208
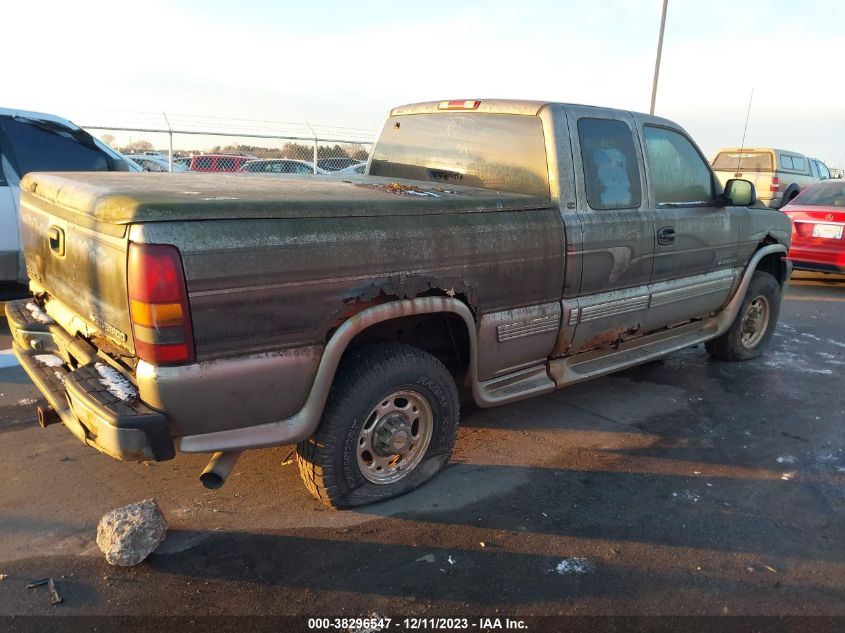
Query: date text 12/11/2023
378	623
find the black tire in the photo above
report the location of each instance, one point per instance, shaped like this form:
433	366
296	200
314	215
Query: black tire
788	197
743	341
330	461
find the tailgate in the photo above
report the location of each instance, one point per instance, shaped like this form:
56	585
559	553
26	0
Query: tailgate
761	180
81	263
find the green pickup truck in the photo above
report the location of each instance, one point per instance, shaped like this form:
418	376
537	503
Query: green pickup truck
494	250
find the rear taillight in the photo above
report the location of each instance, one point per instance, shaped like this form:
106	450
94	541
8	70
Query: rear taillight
775	186
158	305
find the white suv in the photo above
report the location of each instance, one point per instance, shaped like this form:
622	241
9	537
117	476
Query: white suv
33	141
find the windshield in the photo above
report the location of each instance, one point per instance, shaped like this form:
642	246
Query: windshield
506	152
739	161
825	194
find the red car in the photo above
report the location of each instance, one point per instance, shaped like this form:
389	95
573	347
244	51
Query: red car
818	222
219	162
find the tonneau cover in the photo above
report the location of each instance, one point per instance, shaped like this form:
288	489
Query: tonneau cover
126	198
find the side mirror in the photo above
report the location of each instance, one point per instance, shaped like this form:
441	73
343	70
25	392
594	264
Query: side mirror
740	193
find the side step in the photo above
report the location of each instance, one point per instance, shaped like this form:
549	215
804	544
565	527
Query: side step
525	383
560	372
574	369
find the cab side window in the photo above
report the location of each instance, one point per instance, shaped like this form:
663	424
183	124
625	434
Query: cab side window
795	163
611	173
678	172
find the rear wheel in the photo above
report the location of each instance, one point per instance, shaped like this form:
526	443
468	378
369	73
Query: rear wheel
755	323
789	197
389	425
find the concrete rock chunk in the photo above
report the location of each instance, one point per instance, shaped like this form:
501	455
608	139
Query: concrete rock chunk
129	534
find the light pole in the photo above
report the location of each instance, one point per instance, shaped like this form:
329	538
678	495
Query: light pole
657	61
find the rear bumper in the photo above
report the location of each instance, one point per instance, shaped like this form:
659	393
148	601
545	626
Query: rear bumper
64	370
773	202
816	257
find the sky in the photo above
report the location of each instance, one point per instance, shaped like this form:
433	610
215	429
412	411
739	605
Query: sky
346	63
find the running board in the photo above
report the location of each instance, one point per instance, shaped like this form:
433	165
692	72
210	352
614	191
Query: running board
518	385
574	369
561	372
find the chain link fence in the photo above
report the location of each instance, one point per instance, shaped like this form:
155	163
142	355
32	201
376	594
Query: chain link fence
169	142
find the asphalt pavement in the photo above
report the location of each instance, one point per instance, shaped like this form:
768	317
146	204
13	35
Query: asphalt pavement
686	486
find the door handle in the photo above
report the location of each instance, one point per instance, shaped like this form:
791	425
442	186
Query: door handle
56	238
666	235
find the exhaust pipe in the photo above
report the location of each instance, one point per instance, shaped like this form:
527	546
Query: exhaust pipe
218	469
47	416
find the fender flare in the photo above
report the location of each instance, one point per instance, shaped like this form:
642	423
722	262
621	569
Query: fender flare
729	314
302	424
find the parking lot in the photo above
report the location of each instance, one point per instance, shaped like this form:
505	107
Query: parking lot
685	486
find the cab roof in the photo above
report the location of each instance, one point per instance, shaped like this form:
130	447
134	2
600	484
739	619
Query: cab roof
524	107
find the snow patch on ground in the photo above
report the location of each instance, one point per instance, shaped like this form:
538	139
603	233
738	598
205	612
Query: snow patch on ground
117	385
27	401
686	495
51	360
794	362
574	566
786	459
828	455
827	355
38	314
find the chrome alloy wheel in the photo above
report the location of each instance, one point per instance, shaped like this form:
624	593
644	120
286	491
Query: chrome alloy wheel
395	437
755	321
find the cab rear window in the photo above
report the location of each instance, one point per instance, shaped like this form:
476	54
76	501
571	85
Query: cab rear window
505	152
739	161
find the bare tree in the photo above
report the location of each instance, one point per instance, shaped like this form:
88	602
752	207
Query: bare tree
137	146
